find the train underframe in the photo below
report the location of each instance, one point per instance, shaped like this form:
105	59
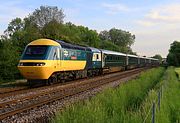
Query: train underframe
62	76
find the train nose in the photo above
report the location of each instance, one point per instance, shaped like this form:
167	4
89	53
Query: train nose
31	64
35	70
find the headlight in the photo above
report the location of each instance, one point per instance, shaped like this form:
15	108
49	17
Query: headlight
20	64
40	64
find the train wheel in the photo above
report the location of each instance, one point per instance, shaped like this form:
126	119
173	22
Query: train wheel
30	83
53	79
63	81
50	81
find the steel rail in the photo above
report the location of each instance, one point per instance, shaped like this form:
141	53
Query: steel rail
60	94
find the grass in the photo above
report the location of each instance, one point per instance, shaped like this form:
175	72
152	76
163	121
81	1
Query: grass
170	109
177	70
114	105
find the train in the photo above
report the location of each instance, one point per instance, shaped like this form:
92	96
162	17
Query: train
51	61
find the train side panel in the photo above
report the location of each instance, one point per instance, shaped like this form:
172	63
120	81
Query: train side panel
133	61
113	61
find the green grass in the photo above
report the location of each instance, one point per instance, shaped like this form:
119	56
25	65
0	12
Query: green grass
170	109
170	102
114	105
177	70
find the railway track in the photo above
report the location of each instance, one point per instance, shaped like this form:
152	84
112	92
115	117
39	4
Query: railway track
14	86
21	104
11	90
22	90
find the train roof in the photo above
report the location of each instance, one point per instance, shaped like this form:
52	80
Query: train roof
112	52
43	41
154	59
142	57
94	49
149	58
70	46
129	55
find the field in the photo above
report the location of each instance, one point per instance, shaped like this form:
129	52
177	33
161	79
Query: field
131	102
178	72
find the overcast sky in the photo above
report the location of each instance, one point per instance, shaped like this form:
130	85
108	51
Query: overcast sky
155	23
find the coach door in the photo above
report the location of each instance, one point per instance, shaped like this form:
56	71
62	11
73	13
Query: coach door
103	59
89	59
56	58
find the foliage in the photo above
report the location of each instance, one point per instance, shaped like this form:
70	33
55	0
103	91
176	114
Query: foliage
47	22
113	105
8	61
109	46
14	26
46	14
157	56
170	106
122	39
173	57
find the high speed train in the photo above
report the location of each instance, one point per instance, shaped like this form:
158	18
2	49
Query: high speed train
51	61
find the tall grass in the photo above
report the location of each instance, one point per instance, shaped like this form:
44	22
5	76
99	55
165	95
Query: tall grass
177	70
113	105
170	109
170	102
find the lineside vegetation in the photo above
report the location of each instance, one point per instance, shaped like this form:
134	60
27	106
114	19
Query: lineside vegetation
114	105
48	22
170	109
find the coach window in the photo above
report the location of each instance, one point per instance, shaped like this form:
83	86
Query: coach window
106	57
97	56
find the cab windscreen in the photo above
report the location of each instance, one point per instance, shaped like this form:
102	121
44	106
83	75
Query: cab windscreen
35	52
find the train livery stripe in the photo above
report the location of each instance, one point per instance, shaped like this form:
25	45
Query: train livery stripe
51	66
72	65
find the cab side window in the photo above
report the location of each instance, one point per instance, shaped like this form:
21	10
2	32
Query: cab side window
56	54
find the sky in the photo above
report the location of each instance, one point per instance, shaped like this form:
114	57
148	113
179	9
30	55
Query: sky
155	23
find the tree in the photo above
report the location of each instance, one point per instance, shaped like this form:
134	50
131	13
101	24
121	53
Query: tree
108	45
51	30
8	60
173	57
14	26
46	14
122	39
21	32
104	35
47	22
157	56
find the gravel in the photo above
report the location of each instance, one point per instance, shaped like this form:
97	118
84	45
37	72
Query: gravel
46	112
46	89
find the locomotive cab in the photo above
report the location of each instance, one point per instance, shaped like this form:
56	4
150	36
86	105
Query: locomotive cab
52	60
40	59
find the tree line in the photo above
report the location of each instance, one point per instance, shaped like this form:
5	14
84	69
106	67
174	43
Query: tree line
48	22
